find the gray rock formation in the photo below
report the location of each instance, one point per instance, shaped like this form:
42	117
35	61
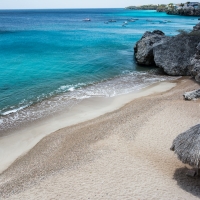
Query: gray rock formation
198	47
197	27
174	56
192	95
189	11
177	56
195	62
143	49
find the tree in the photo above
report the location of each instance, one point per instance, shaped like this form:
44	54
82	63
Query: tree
171	6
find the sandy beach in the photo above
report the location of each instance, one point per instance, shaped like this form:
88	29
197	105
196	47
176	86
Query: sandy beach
123	154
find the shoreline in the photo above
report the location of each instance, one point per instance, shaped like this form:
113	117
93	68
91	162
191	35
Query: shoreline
123	154
18	142
55	104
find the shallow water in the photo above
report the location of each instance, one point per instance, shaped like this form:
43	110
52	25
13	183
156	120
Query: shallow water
52	59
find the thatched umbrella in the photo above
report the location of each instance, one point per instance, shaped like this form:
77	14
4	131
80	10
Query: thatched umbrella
187	146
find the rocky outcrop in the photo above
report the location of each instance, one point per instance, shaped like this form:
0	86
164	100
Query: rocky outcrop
175	55
195	64
195	94
189	11
195	60
197	27
143	49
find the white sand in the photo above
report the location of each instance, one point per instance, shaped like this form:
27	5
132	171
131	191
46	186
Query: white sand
19	142
121	155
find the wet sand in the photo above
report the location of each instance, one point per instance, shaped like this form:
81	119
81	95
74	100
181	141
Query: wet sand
123	154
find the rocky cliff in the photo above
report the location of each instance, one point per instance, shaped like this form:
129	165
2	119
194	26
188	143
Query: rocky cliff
178	55
174	56
190	11
144	47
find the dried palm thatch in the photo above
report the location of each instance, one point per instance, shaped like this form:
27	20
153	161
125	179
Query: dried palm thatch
187	146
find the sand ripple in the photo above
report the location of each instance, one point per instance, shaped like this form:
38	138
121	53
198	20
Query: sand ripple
121	155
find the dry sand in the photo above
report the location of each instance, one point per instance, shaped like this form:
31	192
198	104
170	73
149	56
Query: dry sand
15	143
120	155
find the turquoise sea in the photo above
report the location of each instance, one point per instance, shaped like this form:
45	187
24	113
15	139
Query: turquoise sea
51	59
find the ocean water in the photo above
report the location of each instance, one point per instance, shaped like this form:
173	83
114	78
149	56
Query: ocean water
51	59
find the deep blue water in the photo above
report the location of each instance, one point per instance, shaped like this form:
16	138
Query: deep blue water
49	57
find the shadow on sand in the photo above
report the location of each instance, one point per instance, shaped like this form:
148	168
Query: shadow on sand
187	183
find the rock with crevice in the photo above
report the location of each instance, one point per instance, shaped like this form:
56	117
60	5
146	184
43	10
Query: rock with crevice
174	56
195	62
143	50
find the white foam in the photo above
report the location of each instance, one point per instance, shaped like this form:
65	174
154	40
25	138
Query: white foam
71	89
64	87
70	95
14	110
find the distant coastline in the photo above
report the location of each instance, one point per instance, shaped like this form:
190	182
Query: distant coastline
148	7
186	9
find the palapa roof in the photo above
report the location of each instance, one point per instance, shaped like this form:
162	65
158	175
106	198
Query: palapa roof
187	146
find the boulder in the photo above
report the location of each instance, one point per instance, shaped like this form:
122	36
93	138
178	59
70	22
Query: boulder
174	55
197	27
143	50
195	72
195	94
198	47
195	62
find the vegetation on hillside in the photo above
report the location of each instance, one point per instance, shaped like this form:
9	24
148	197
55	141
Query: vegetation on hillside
188	8
143	7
